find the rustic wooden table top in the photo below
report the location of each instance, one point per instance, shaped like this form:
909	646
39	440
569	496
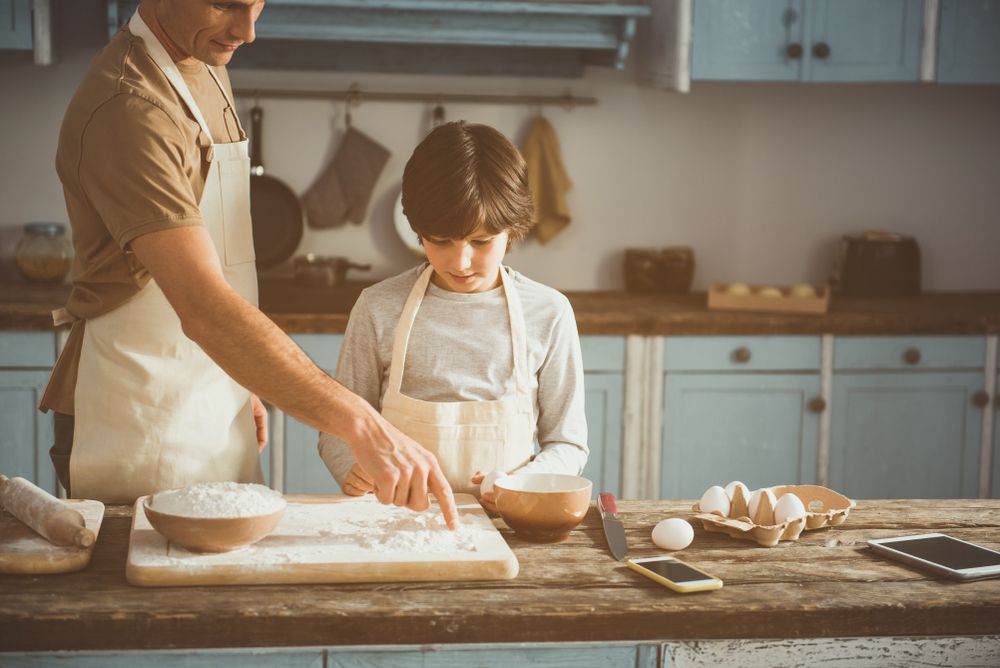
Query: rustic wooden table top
827	584
29	307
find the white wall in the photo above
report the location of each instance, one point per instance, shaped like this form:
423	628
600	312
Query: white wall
761	179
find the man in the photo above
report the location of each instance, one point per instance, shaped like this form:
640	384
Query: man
167	343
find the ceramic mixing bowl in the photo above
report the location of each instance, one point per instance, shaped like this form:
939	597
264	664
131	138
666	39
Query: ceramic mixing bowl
212	534
542	507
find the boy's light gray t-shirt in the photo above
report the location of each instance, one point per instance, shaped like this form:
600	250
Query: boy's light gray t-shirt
460	350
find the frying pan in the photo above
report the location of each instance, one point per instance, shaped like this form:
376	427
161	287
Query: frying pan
275	211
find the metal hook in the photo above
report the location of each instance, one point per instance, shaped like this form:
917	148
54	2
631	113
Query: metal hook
352	99
568	101
437	115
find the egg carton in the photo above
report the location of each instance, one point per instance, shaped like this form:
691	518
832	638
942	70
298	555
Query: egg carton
824	507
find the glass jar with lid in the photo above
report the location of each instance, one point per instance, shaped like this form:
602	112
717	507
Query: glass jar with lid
43	254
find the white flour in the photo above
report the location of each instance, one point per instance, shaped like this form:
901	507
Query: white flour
354	531
383	528
219	499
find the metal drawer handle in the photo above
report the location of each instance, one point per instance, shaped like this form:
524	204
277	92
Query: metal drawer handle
911	356
741	355
817	405
794	50
981	399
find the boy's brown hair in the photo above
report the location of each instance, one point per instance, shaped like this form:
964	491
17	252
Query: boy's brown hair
463	177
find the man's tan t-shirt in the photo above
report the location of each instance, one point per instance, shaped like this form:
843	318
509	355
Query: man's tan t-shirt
132	160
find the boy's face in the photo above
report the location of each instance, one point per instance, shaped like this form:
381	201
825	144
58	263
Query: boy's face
467	265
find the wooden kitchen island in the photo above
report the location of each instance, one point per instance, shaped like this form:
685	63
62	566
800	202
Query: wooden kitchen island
825	596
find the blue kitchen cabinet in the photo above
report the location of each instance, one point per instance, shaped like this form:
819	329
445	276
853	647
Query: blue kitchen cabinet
15	24
26	360
969	42
807	40
305	472
746	41
604	380
537	655
904	421
739	408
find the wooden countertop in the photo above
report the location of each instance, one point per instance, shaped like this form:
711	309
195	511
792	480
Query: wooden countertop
827	584
28	307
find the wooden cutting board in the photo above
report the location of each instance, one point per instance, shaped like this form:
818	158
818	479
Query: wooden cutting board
22	550
334	538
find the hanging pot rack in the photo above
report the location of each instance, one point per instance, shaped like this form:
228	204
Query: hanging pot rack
354	95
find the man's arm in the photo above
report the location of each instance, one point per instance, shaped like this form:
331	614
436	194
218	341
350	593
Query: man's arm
259	356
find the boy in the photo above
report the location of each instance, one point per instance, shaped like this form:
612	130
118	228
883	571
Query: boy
469	358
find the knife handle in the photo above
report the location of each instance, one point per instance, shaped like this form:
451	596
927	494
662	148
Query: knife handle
607	503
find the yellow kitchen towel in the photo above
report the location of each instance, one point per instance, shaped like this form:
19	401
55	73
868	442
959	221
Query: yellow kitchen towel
547	179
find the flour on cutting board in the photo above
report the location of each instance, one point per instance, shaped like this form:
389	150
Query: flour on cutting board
352	530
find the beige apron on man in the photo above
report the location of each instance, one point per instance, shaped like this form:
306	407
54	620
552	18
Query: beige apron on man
466	436
153	411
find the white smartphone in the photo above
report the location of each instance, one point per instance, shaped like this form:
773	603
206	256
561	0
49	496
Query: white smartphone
674	573
954	558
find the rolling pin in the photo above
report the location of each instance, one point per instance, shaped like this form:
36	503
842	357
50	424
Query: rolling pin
53	519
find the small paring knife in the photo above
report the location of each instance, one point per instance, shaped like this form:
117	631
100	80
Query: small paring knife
614	531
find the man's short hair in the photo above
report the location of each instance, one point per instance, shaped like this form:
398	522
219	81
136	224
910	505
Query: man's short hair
464	177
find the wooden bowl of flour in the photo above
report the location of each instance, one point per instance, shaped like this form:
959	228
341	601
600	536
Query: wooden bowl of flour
215	517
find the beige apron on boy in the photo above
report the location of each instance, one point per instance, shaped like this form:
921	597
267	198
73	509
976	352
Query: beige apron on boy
153	411
466	436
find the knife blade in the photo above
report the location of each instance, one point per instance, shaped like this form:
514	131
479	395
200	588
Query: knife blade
614	531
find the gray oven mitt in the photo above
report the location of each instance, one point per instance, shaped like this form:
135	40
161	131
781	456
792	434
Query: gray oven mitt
342	191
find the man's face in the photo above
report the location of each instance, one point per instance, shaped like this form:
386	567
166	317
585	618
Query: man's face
209	30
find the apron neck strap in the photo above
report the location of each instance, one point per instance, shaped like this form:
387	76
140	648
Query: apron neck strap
169	68
401	340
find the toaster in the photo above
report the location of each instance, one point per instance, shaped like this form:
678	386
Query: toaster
878	264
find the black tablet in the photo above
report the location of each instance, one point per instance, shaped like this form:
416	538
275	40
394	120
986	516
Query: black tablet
942	554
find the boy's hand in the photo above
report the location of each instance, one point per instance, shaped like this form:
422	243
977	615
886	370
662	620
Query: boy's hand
487	500
358	483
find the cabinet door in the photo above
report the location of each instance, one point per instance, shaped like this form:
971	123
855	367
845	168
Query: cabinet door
604	399
750	427
864	40
905	435
25	433
995	487
604	379
305	472
739	40
15	24
969	42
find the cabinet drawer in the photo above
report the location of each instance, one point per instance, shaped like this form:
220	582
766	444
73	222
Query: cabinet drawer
741	353
909	352
21	350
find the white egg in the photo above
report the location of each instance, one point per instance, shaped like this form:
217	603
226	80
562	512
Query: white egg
769	291
789	507
486	486
673	534
714	500
755	501
738	289
731	489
